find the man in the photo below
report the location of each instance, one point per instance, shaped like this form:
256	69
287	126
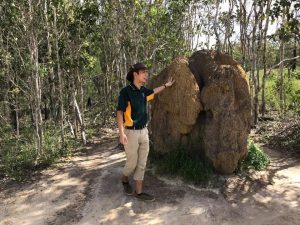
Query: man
132	119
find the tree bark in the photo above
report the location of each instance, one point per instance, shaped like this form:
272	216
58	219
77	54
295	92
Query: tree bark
281	73
60	81
218	42
35	78
80	120
264	59
50	65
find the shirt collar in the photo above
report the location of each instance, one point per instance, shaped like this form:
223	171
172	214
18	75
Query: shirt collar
134	87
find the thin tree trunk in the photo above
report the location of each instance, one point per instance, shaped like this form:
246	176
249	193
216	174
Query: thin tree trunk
80	120
50	66
218	42
60	81
12	103
264	59
258	21
254	66
36	90
281	85
243	29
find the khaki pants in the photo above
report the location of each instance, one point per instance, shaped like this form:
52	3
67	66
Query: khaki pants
136	152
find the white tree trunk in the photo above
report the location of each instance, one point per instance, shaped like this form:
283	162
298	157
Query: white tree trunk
60	81
81	122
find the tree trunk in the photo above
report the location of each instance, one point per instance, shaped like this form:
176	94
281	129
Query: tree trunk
12	102
36	88
80	120
50	66
60	81
254	56
218	42
264	59
14	121
281	85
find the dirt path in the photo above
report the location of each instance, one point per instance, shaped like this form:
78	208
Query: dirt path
86	190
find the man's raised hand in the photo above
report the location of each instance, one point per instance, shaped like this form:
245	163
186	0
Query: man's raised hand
170	82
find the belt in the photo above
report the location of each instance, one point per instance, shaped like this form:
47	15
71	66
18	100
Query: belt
135	127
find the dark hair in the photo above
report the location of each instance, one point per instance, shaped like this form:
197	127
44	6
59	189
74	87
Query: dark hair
135	68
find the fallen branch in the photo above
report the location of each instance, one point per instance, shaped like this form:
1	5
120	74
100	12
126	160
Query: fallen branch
283	61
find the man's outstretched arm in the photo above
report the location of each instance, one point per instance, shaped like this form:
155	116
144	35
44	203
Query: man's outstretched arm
161	88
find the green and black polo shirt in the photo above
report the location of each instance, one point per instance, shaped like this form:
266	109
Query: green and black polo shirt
133	102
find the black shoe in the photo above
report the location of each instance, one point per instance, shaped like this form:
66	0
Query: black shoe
144	197
127	188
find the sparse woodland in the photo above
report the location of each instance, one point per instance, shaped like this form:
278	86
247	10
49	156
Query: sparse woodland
64	62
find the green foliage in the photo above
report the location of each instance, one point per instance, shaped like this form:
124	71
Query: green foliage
271	94
296	74
296	100
290	25
291	91
256	158
19	158
179	163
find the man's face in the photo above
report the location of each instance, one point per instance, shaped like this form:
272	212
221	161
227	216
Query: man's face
141	76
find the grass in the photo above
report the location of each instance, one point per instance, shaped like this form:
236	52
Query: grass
197	170
179	163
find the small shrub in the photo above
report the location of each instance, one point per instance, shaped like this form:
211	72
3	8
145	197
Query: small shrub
256	158
19	157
